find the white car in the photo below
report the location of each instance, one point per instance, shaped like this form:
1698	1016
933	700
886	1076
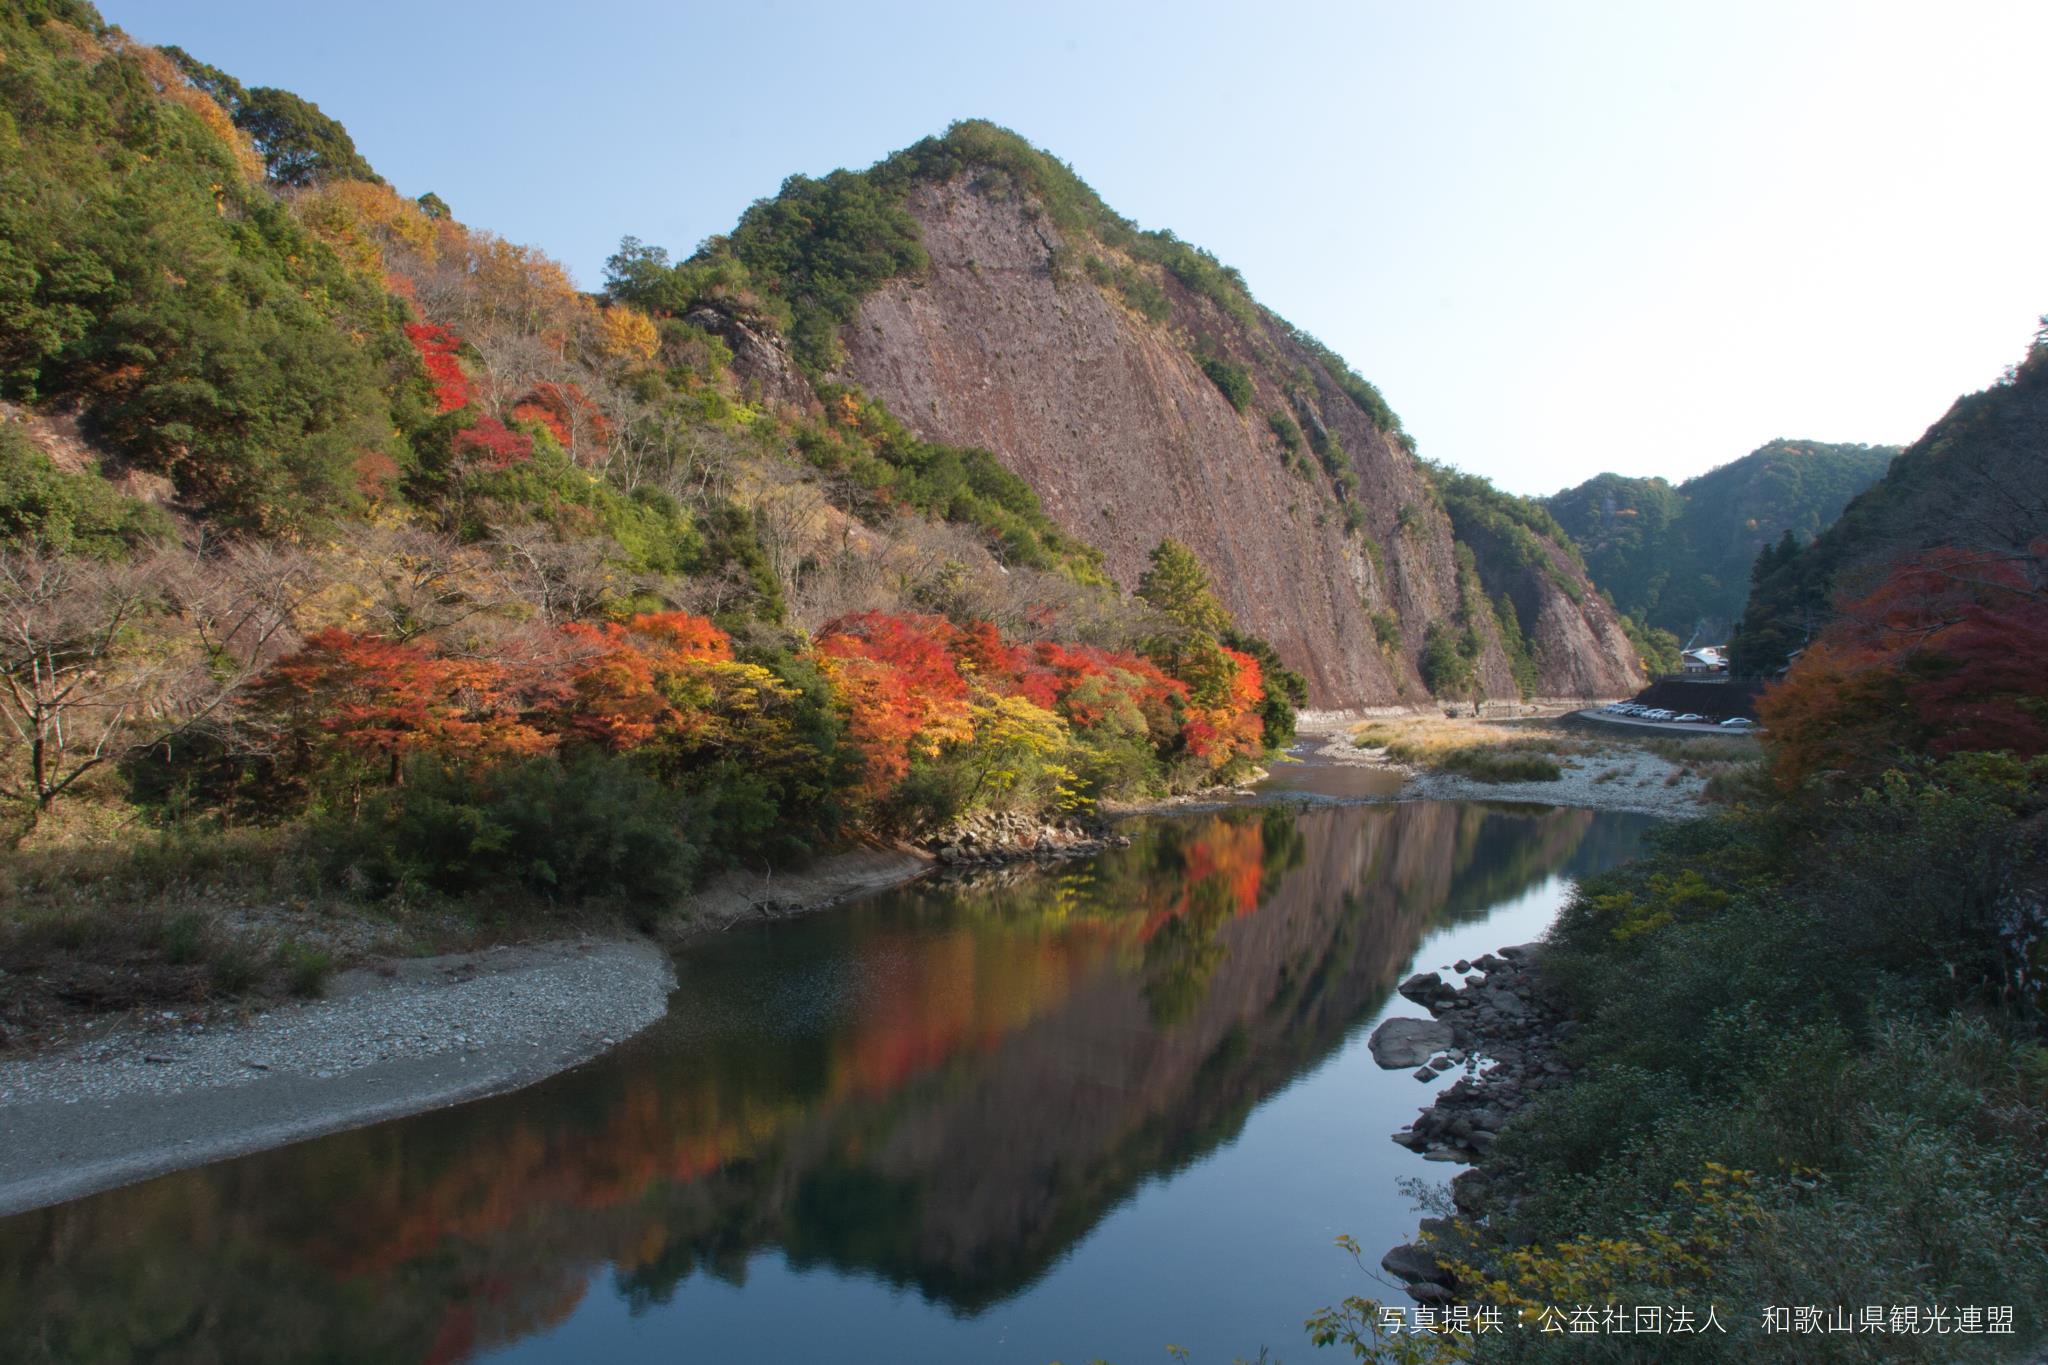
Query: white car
1657	715
1691	716
1737	723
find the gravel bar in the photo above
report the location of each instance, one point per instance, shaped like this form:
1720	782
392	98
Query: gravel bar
408	1036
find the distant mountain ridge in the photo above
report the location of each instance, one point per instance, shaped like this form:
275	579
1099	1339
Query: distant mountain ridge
1976	481
1679	558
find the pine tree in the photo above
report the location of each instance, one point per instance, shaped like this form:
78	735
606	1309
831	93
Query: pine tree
1179	587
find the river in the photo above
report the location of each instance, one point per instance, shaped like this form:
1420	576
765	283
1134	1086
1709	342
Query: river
1034	1115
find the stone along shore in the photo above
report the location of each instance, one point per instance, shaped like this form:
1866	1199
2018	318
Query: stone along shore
1501	1029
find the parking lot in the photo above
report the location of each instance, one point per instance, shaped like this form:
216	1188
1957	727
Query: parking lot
1642	722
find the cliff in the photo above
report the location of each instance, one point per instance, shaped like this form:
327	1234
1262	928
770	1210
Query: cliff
1103	380
993	305
1111	416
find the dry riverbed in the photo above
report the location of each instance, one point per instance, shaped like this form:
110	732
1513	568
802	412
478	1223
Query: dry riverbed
1650	776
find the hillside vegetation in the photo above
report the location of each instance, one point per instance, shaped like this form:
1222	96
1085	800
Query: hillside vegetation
1678	558
1975	482
1804	1062
350	552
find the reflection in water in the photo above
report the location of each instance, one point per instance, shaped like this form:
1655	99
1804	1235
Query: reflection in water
945	1087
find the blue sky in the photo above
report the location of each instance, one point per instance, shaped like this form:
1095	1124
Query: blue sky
1562	238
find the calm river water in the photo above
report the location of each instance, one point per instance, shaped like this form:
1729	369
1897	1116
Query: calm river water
1039	1115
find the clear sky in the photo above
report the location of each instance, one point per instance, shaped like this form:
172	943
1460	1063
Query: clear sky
1562	237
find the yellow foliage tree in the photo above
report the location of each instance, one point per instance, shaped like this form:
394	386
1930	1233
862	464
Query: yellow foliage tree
1018	747
626	335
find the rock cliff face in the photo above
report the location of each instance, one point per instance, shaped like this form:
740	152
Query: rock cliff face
1006	342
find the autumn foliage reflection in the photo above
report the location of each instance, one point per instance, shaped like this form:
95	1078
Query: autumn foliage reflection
1011	1054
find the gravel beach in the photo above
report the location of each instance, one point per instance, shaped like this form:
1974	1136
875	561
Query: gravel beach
1624	778
146	1098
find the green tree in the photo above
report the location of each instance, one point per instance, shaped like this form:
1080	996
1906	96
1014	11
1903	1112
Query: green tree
1178	586
41	505
1447	667
299	144
823	245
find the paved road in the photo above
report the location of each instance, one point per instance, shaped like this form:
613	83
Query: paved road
1672	726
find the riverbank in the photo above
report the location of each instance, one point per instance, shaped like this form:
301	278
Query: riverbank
141	1097
1504	1034
132	1096
127	1097
1772	1061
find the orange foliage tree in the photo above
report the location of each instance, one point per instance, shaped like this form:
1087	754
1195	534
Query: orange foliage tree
437	347
569	415
624	678
903	689
1224	720
377	699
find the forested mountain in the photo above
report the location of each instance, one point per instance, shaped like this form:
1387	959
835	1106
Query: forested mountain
1679	558
930	488
1976	483
1140	390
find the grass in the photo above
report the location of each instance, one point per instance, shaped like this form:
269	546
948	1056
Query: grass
1540	751
1690	752
1732	766
1482	751
97	915
1484	764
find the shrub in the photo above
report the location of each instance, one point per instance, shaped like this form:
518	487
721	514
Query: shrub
1138	289
590	828
1386	631
1231	379
1285	431
1486	764
305	969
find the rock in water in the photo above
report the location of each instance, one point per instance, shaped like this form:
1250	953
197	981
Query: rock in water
1414	1264
1422	987
1400	1044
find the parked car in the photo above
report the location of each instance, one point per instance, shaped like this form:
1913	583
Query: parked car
1659	714
1692	716
1737	723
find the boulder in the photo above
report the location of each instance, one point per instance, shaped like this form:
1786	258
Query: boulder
1415	1265
1422	987
1399	1044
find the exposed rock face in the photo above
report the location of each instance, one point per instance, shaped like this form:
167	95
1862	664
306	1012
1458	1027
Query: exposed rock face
1578	639
1005	343
758	358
